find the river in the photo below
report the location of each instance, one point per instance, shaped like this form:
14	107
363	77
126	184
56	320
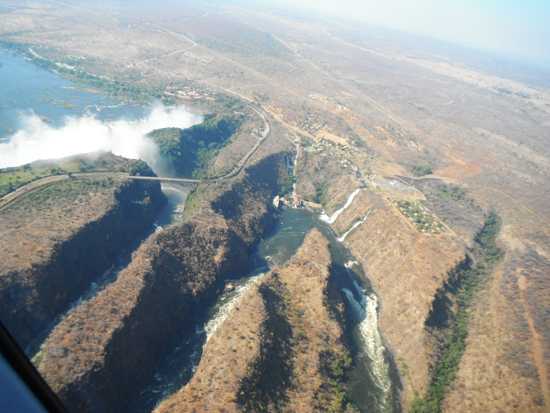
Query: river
370	386
45	116
30	89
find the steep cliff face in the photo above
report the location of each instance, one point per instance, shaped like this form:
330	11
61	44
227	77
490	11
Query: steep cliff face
317	357
279	350
406	265
71	233
106	350
502	367
245	205
224	362
108	347
188	152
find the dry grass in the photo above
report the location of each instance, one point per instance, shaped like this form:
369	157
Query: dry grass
476	129
37	222
232	354
406	267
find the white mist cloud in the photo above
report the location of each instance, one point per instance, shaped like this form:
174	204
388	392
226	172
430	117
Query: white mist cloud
38	140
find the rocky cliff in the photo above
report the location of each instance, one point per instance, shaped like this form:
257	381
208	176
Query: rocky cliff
107	349
281	349
406	268
58	239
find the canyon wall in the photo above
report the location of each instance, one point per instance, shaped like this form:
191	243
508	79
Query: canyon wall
61	238
107	349
281	349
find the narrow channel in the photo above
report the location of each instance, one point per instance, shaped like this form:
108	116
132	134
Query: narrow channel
371	387
170	214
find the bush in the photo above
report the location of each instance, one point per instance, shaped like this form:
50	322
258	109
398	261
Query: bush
453	192
320	194
422	169
140	168
288	184
57	171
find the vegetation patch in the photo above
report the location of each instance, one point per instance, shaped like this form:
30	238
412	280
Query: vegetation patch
13	178
450	203
333	394
424	220
271	374
464	282
140	168
188	152
70	190
422	169
287	184
321	191
451	192
193	201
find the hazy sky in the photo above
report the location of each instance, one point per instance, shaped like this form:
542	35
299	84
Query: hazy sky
519	28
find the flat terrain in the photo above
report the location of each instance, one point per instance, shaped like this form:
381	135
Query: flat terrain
365	108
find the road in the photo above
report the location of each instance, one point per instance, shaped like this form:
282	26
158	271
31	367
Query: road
12	197
264	134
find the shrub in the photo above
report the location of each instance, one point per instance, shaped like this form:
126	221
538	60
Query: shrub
453	192
140	168
422	169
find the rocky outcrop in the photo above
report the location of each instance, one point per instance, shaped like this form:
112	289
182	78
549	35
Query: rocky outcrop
106	350
60	238
279	350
